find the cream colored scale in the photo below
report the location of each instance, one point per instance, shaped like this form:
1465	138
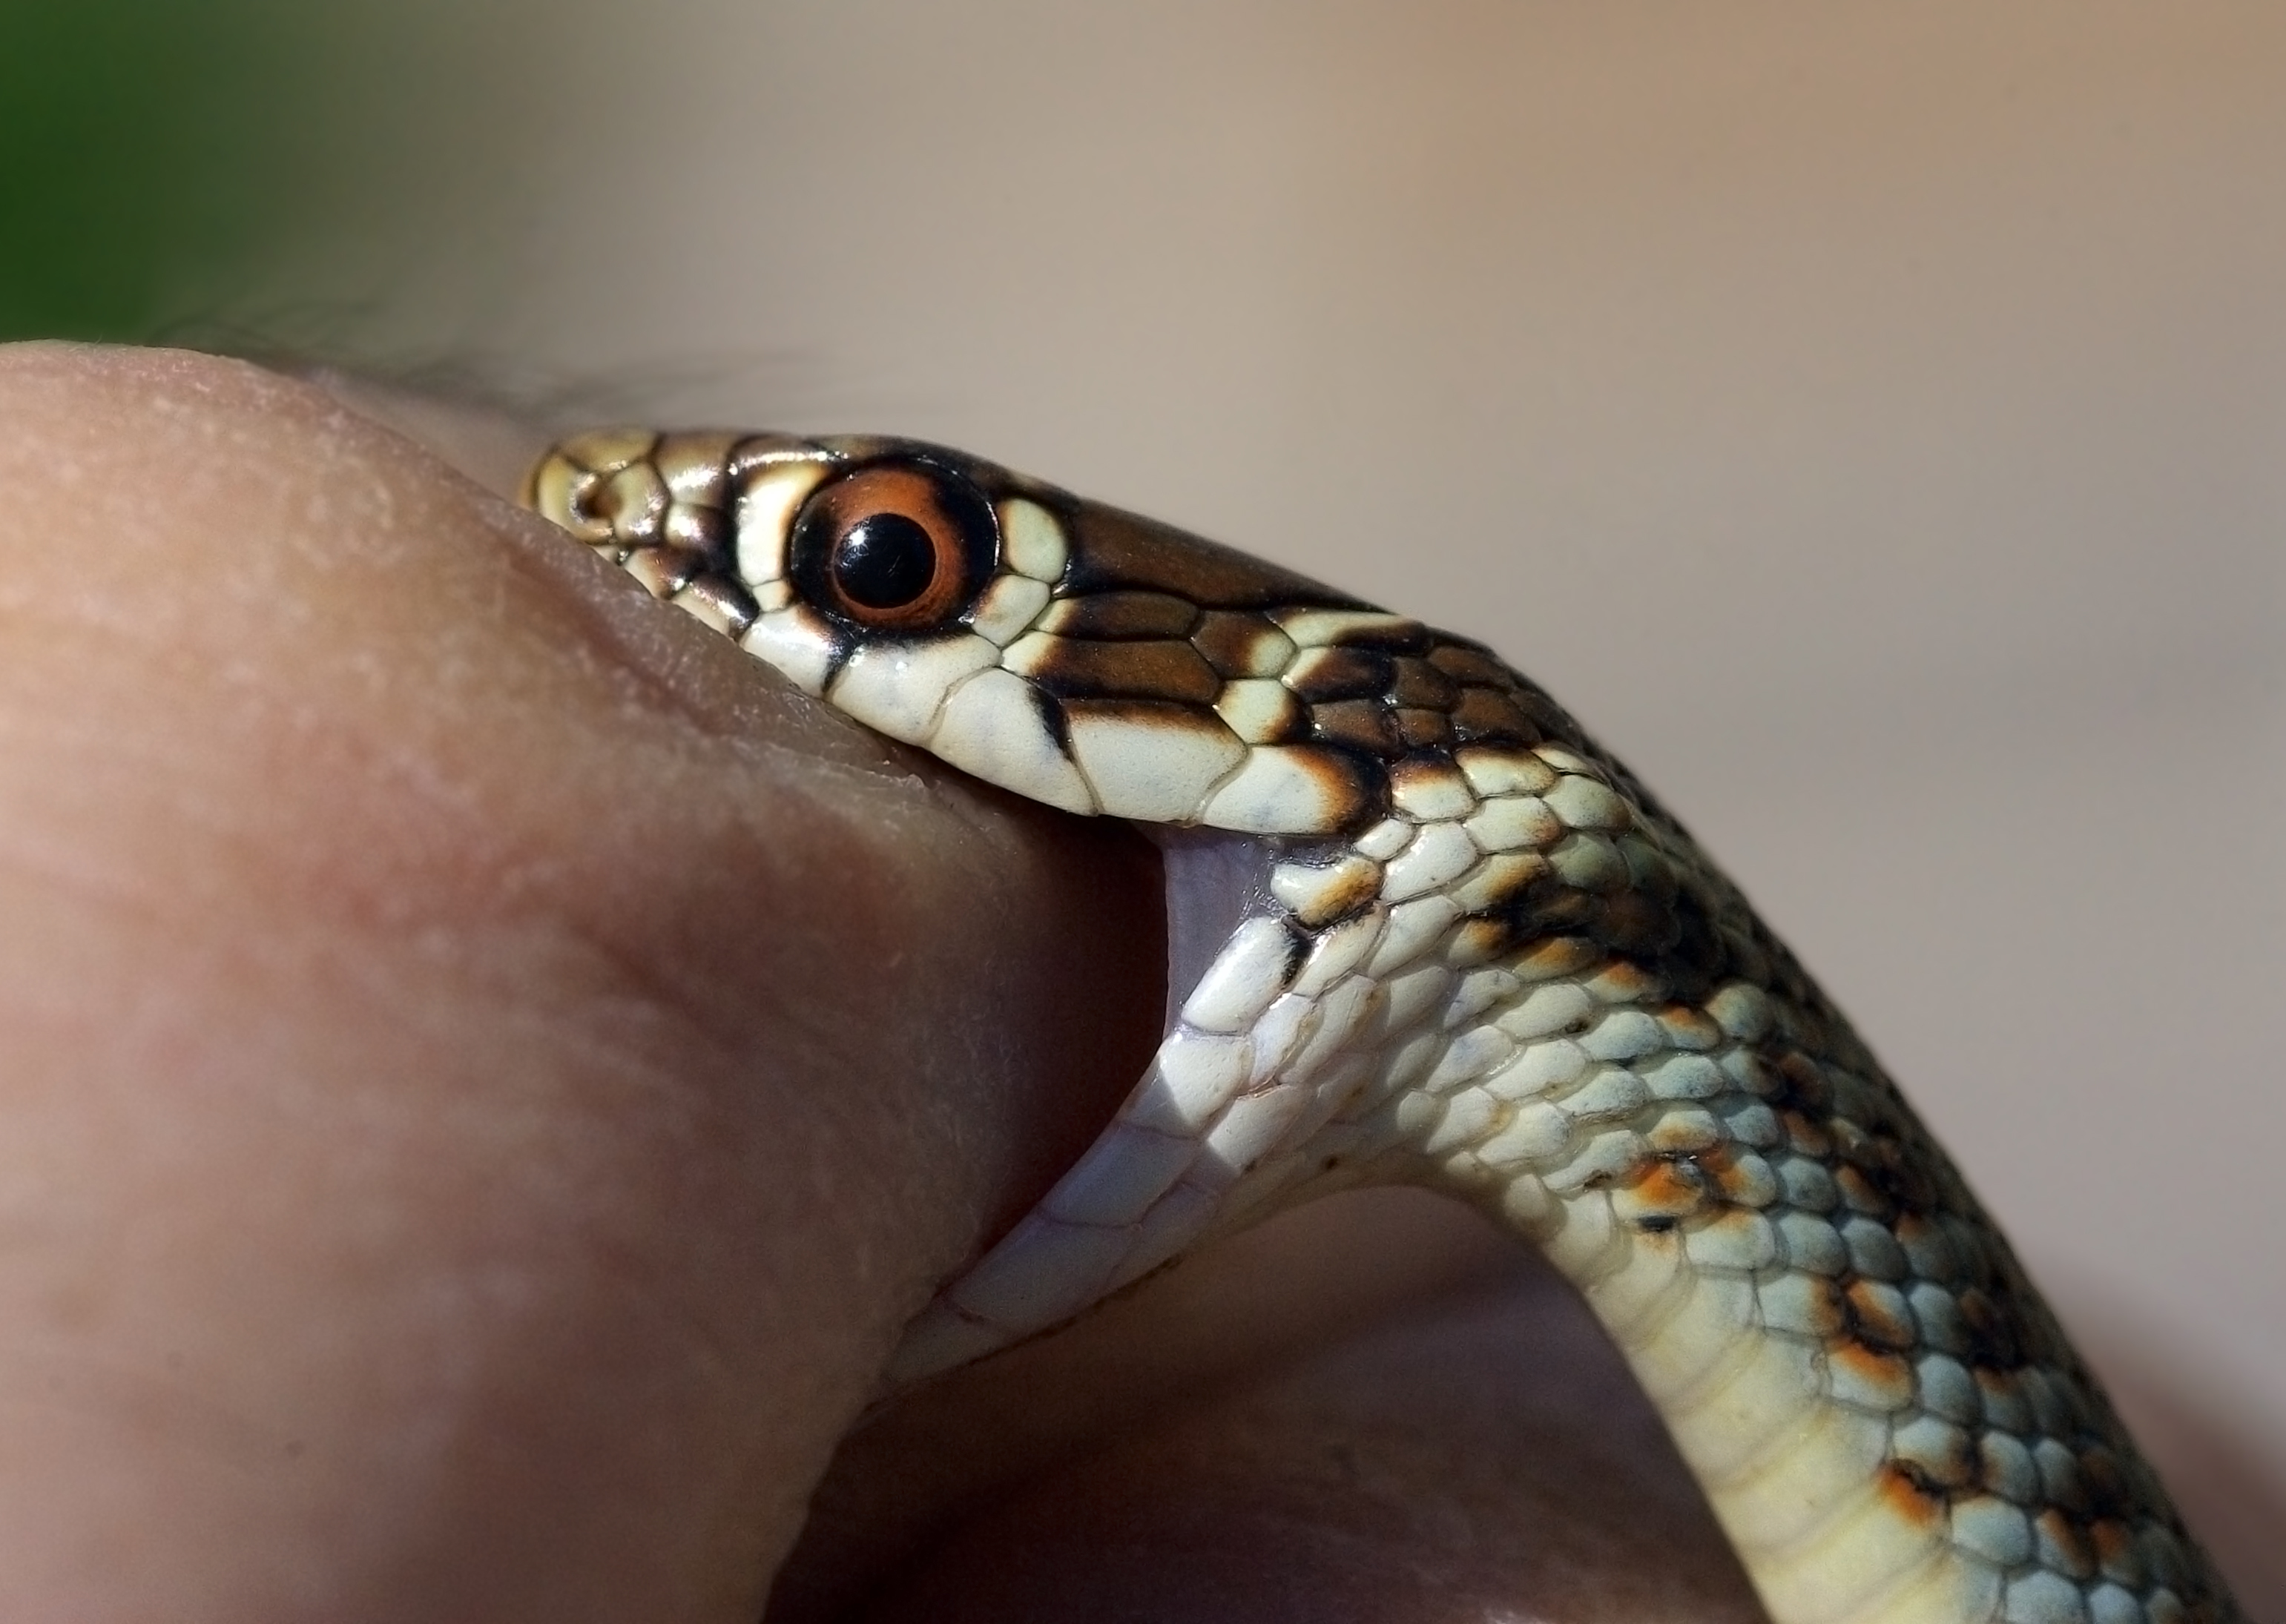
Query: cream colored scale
1423	930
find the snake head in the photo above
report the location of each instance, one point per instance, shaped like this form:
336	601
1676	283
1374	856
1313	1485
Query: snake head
1066	650
1283	743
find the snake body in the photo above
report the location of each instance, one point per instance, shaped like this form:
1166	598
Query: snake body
1422	929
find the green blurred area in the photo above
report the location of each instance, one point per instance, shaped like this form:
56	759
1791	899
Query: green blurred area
147	147
249	174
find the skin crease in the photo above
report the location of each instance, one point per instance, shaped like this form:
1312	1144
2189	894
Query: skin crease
488	1072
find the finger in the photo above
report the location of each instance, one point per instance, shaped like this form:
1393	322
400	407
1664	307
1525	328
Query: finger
1481	1455
1374	1408
487	1075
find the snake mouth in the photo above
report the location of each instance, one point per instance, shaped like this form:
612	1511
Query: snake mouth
1154	1180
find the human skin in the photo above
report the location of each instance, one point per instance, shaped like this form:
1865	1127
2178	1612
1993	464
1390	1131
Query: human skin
488	1071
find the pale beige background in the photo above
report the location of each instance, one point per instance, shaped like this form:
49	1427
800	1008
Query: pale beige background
1871	420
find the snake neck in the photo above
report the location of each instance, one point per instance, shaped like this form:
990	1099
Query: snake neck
1527	987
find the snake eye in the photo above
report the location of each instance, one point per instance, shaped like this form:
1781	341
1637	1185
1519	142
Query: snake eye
899	546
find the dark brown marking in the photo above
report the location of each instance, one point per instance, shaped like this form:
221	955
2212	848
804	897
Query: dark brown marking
1520	870
1483	938
1351	893
1875	1366
2064	1534
1806	1134
2115	1550
1557	956
1549	908
1424	729
1466	662
1880	1321
1880	1178
1828	1315
1688	1027
1418	774
1080	668
1291	725
1911	1496
1806	1086
1622	982
1319	675
1490	713
1113	550
1363	724
2106	1482
1670	1190
1153	714
1994	1344
1630	922
1858	1194
698	530
1117	616
722	598
1417	682
1730	1179
1755	1077
1228	640
2067	1483
1349	781
1957	1468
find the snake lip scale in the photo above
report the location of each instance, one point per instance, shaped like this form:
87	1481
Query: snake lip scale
1422	929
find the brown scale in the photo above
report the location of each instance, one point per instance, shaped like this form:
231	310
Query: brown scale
1320	676
1230	642
1420	730
1363	724
1085	668
1119	616
1486	715
1415	683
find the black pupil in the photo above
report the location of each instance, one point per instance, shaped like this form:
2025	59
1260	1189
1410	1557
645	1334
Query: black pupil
884	561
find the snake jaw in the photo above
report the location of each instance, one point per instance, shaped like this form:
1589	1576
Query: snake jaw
1186	1156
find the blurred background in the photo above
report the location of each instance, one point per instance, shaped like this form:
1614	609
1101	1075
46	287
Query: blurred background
1871	419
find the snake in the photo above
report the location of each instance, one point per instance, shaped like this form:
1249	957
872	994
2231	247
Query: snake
1422	929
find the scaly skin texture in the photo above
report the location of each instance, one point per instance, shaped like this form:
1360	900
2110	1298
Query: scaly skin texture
1464	948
